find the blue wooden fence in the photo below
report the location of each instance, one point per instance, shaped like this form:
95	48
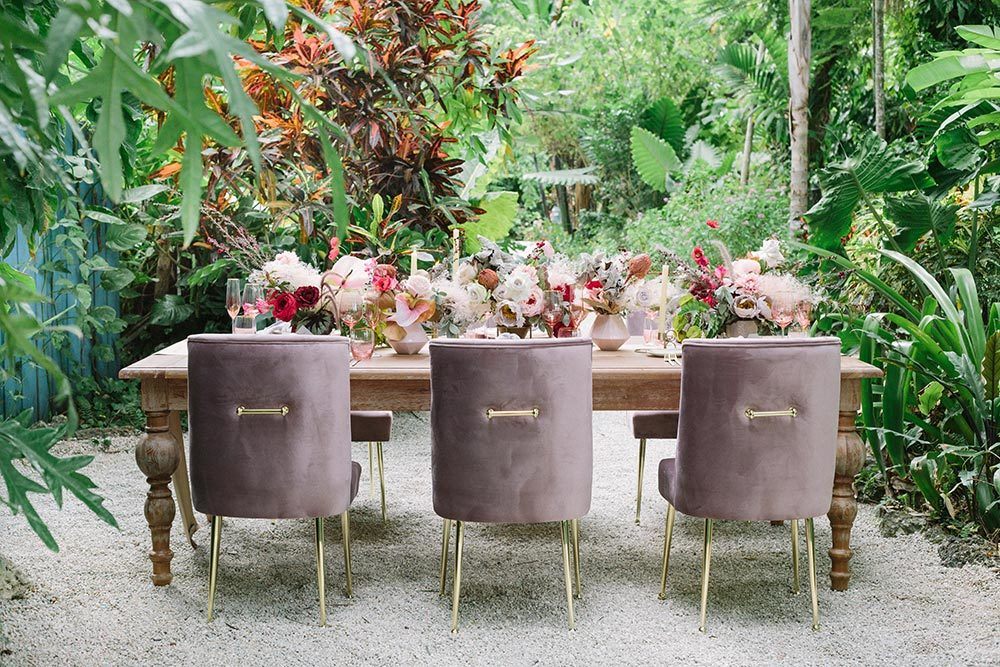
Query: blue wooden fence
32	387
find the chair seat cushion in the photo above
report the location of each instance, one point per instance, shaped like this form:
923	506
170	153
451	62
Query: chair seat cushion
668	476
656	424
370	426
355	478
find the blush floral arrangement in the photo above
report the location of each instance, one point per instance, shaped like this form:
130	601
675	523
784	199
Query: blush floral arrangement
298	293
741	296
612	283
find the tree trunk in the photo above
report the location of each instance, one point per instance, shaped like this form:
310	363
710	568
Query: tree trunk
799	55
748	137
747	149
562	198
878	68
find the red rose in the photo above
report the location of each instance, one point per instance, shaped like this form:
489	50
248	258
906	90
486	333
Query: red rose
698	255
306	296
284	305
594	284
714	224
567	293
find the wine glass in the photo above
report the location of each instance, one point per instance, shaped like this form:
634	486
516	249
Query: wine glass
362	341
233	299
650	326
552	313
783	309
803	314
352	307
251	295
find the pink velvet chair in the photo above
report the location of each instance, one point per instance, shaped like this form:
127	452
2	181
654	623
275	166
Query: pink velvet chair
270	435
756	440
511	440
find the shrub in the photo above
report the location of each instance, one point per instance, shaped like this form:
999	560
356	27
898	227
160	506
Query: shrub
746	215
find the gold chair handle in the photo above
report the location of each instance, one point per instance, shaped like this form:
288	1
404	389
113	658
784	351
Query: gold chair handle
240	411
754	414
491	413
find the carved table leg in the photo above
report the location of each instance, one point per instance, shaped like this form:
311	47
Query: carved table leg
844	506
157	457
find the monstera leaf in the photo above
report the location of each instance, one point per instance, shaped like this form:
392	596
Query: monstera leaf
654	159
875	170
916	214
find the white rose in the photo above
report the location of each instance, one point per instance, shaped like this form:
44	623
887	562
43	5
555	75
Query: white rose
770	253
517	287
477	293
643	296
466	273
419	285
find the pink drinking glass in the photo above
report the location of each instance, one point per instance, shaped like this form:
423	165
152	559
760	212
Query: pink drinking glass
362	340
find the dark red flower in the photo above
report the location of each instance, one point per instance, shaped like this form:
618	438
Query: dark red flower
714	224
594	284
567	293
307	296
284	305
698	255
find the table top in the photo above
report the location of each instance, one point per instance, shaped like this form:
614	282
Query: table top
170	363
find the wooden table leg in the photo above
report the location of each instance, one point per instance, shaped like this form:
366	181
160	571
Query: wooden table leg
182	487
844	506
157	457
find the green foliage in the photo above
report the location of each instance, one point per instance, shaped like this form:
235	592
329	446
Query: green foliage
654	159
857	181
494	223
746	214
932	418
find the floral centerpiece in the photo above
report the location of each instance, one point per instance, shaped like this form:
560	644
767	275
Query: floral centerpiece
298	293
739	297
612	285
515	288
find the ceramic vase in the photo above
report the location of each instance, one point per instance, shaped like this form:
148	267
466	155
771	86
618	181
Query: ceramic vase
741	329
414	340
609	332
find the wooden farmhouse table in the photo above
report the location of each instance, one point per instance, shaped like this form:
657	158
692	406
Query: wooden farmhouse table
623	380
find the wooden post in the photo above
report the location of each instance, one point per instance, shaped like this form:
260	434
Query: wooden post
878	64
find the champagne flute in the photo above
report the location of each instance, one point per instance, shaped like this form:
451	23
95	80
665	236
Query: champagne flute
233	299
783	309
251	294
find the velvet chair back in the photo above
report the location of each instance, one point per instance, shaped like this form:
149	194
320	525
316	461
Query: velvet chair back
511	469
731	466
296	465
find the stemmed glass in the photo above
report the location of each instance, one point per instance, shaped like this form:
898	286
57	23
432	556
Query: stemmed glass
552	313
783	307
803	314
352	306
233	299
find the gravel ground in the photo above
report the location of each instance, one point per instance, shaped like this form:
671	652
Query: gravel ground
93	603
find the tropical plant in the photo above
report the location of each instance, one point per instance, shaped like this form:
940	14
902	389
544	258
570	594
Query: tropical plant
662	147
932	420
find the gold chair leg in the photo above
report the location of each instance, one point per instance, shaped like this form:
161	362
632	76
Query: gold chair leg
706	564
642	466
345	529
381	477
371	468
321	570
811	552
576	555
457	586
795	557
668	535
564	530
213	568
445	534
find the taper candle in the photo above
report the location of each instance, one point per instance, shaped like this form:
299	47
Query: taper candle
413	261
665	277
455	249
